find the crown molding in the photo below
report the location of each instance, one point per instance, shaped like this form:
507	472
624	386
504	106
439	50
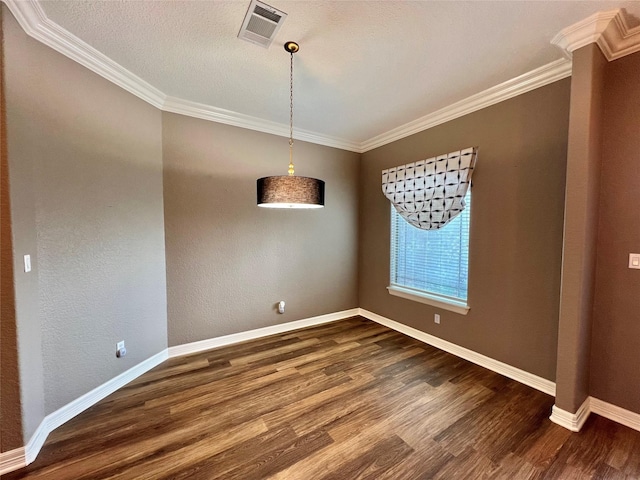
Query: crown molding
229	117
609	30
552	72
619	39
35	23
583	32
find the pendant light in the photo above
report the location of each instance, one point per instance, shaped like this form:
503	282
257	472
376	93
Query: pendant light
290	191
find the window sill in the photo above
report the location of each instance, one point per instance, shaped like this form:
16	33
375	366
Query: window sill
433	300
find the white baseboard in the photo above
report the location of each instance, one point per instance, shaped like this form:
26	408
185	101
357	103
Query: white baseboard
35	443
20	457
571	421
23	456
79	405
575	421
202	345
615	413
568	420
534	381
12	460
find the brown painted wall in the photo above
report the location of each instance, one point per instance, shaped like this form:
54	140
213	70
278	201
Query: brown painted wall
516	229
85	164
10	404
580	229
23	210
615	352
100	181
228	261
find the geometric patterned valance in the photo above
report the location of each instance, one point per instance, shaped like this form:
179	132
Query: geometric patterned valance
430	193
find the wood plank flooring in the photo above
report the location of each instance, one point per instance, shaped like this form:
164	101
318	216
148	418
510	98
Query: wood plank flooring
347	400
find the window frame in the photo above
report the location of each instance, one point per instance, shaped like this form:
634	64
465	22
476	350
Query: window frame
424	296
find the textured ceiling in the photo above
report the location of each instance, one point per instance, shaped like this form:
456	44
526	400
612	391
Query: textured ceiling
364	67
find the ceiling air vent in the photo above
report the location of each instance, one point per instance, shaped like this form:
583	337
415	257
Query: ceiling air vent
261	24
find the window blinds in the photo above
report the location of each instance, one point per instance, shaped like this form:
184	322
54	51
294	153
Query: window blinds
430	193
434	261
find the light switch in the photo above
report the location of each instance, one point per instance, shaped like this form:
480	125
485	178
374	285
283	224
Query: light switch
634	260
27	263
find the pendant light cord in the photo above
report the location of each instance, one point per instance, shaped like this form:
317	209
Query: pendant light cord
291	170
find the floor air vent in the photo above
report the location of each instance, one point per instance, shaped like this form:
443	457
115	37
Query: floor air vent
261	24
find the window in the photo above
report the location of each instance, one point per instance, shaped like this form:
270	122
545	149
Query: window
431	266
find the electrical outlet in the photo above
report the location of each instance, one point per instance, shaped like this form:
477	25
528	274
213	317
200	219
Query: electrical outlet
120	345
121	350
436	318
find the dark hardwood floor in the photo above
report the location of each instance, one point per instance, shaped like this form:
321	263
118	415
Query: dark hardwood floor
347	400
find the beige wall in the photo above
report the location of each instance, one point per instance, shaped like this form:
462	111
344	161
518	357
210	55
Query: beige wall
228	261
85	164
615	352
516	229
